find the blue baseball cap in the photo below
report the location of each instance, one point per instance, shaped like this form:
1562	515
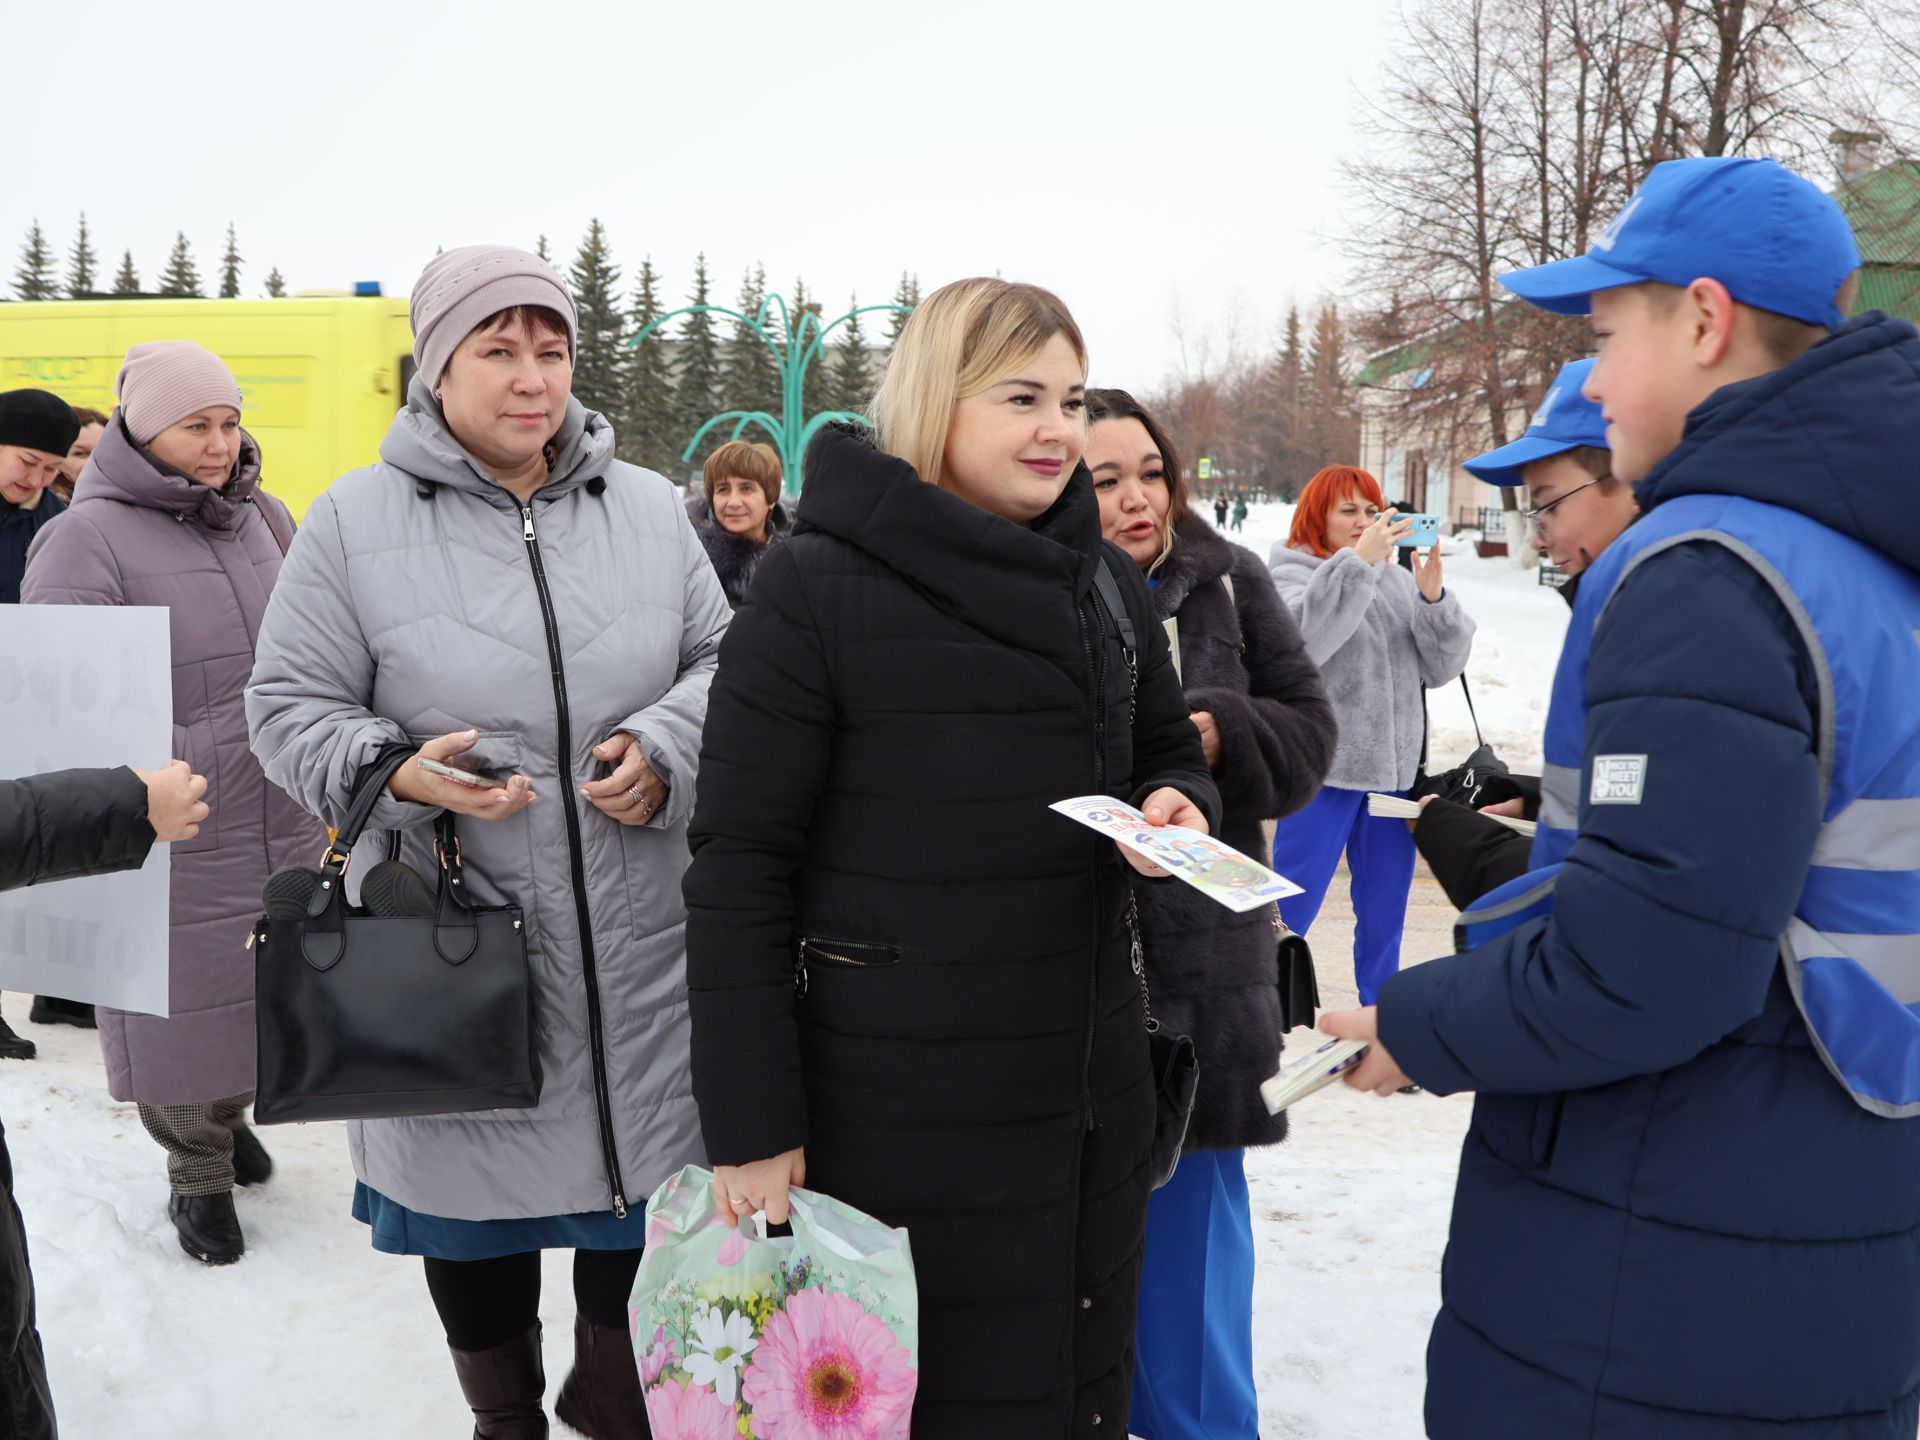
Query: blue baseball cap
1565	421
1774	239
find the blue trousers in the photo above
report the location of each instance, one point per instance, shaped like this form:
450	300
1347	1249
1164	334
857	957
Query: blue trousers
1380	856
1193	1340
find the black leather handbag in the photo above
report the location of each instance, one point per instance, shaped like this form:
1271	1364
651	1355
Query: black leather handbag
364	1016
1299	984
1464	782
1176	1069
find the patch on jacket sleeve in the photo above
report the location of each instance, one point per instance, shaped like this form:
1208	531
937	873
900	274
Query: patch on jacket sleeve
1618	779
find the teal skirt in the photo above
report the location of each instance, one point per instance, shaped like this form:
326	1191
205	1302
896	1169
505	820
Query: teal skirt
400	1231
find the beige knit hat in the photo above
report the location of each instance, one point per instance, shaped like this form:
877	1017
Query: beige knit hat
166	380
461	288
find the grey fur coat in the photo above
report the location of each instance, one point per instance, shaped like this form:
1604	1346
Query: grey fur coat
1376	641
1212	972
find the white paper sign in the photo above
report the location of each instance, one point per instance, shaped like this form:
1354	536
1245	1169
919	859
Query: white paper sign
87	686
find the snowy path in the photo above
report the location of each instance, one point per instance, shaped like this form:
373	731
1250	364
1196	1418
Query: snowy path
314	1335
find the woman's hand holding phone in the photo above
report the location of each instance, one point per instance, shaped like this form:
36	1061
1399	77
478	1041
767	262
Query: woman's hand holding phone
418	785
1376	542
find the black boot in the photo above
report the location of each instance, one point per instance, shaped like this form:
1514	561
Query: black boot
251	1163
602	1398
15	1047
49	1010
504	1386
209	1230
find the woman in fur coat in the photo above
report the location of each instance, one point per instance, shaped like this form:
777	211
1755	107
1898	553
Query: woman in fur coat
1267	731
1379	634
743	517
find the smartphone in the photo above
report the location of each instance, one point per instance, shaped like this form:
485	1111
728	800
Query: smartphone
1426	531
458	777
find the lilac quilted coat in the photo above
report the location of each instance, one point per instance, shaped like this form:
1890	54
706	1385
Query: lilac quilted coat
140	533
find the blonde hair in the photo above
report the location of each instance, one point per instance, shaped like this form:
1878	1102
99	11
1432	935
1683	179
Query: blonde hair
964	338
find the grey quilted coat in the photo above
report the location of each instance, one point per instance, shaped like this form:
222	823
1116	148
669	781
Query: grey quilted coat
420	598
140	533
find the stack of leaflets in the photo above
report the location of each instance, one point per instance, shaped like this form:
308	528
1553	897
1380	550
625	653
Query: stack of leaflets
1394	807
1315	1070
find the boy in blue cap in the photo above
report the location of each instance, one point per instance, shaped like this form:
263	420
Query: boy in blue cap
1577	507
1689	1200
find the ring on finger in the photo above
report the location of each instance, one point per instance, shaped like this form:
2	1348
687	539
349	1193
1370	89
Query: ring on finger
633	795
743	1205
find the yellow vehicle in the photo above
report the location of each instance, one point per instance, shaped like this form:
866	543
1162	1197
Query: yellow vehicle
320	376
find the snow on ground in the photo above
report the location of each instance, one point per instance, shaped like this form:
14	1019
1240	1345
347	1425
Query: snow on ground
315	1335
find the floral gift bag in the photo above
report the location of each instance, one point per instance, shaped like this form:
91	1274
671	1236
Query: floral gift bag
816	1337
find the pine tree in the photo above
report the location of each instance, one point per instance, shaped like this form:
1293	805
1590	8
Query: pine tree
646	426
696	390
181	277
750	379
82	262
34	279
540	249
906	293
230	264
600	359
850	382
1330	428
807	320
276	284
127	282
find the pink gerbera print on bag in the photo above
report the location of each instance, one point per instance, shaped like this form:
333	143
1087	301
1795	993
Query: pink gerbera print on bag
750	1336
828	1370
693	1413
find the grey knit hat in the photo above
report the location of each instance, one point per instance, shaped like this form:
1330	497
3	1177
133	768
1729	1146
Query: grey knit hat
461	288
167	380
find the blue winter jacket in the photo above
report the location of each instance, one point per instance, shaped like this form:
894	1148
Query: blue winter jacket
1671	1219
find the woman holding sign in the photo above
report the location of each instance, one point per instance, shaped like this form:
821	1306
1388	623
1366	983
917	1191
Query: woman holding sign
169	511
1268	734
910	983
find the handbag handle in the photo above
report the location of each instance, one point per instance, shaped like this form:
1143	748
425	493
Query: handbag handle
367	790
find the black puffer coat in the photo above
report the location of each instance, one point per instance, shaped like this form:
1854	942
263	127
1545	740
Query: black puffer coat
1212	971
910	684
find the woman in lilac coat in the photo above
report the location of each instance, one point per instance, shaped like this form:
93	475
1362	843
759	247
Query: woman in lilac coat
169	511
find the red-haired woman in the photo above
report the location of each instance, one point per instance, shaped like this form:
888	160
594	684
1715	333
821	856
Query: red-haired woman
1378	634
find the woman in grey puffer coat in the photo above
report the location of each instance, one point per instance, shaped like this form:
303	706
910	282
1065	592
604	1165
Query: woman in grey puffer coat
169	512
504	594
1378	633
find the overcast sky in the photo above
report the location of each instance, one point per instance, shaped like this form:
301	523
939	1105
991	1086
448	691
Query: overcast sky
1139	159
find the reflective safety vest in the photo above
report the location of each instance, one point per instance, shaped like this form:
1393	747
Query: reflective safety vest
1852	949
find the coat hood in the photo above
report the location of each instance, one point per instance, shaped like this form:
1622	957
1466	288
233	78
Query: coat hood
118	469
993	573
420	443
1833	436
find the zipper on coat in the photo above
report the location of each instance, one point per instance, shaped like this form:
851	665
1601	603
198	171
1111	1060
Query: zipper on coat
596	1042
1092	636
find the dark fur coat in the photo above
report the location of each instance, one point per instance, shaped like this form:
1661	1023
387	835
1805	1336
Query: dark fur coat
1212	972
734	558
